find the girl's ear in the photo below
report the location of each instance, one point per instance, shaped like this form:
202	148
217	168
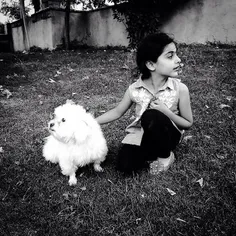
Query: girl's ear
150	66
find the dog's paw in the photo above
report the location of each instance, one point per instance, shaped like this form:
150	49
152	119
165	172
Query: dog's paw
98	168
72	180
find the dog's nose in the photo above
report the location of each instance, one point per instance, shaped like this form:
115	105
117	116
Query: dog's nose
51	125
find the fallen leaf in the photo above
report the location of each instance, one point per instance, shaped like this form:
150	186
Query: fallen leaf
110	181
1	150
125	67
66	195
58	72
83	188
229	98
6	92
179	219
85	78
186	138
171	191
206	106
137	220
223	106
81	174
51	80
220	156
200	181
207	136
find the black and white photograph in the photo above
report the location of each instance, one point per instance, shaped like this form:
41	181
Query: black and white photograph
117	118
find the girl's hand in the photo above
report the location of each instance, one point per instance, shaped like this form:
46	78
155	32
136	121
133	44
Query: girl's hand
158	105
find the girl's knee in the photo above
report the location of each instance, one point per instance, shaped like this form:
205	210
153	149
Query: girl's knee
152	117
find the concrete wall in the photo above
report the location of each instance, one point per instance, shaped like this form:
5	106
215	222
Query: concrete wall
39	32
200	21
46	29
95	28
203	21
102	30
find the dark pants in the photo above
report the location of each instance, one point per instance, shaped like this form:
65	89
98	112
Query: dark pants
159	139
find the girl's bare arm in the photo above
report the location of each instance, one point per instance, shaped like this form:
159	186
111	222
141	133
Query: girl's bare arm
116	112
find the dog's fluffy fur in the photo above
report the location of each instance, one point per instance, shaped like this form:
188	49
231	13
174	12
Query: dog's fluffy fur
76	140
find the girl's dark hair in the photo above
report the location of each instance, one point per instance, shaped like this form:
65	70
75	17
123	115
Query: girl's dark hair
149	50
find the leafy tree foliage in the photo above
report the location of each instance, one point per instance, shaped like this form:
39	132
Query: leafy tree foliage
12	9
143	17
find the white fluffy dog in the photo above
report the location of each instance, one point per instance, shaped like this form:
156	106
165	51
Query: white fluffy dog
76	140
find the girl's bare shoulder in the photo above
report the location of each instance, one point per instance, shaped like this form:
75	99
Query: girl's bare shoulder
183	87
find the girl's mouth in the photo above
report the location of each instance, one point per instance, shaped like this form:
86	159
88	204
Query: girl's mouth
179	68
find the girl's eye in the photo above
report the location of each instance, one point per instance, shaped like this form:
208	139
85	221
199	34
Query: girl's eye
63	119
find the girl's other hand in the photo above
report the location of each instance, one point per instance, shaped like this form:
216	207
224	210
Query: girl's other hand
158	105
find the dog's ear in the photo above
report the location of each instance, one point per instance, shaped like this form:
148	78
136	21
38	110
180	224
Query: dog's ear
82	131
69	101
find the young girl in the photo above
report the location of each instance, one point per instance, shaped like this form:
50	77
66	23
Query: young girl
162	108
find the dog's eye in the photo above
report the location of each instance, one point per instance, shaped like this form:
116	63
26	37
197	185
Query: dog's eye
63	120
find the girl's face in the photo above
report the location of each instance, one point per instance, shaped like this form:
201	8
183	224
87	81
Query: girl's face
168	63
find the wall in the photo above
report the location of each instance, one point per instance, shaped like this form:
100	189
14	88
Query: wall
46	29
204	21
200	21
102	30
39	31
95	28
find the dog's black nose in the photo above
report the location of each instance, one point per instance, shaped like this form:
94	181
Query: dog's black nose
51	125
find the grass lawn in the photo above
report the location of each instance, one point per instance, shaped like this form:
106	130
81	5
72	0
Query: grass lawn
197	196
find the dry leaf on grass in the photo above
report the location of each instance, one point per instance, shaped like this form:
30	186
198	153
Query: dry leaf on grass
51	80
5	92
125	67
179	219
171	192
220	156
66	195
200	181
223	106
186	138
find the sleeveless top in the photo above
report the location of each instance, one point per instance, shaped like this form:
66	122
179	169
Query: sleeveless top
141	95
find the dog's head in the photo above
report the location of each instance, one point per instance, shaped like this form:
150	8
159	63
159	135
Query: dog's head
68	124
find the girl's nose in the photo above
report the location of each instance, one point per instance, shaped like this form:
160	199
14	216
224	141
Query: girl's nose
178	60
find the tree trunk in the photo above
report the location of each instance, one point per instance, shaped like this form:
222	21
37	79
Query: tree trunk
67	25
25	30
